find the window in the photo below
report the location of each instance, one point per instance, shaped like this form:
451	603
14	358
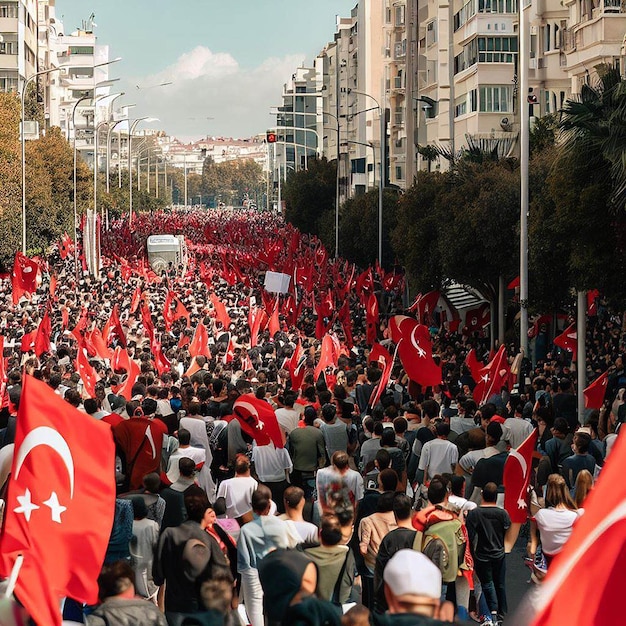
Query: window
8	82
8	9
399	173
467	58
81	50
9	43
497	49
81	72
30	55
460	105
400	16
496	99
497	6
467	11
431	33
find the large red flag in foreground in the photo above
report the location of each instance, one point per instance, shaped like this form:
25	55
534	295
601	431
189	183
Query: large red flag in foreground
594	394
257	418
60	518
516	478
584	581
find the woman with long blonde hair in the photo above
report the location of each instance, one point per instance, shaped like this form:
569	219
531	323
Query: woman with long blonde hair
554	522
584	484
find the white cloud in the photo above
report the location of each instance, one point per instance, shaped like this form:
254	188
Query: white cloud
213	85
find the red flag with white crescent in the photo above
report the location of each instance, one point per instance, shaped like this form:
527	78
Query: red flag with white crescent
415	351
584	579
385	361
595	392
24	279
257	419
371	318
45	511
516	478
492	377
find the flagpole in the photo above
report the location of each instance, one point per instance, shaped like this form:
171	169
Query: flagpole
581	357
15	572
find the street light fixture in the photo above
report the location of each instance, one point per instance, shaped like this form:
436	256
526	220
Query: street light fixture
130	168
381	181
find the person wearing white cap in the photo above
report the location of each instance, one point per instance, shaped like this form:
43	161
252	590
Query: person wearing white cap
413	592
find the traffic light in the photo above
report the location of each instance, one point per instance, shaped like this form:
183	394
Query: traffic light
270	136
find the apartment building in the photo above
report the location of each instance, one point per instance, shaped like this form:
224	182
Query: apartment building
446	73
18	43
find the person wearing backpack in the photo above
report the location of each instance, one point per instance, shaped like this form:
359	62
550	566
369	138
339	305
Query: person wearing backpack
442	536
185	557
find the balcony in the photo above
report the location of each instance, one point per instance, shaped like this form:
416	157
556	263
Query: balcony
399	50
397	84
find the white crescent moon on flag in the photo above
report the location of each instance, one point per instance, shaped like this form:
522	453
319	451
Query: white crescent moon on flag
46	436
151	440
253	411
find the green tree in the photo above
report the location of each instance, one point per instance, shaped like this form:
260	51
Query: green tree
309	195
358	228
416	235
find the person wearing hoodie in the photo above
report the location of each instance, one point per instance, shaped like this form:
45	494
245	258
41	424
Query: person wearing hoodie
335	562
119	604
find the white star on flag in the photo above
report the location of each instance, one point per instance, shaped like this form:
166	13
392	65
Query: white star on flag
55	508
26	505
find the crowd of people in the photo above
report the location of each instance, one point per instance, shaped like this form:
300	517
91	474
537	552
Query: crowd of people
362	513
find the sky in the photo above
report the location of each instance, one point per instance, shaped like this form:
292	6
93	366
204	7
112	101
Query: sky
227	61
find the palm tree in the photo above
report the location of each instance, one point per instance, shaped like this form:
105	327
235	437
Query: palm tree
594	125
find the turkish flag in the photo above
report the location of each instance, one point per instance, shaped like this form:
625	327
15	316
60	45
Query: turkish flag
28	341
584	580
592	305
346	322
476	319
86	373
134	303
146	320
594	394
46	511
121	360
24	279
473	364
114	326
200	342
567	339
415	352
42	338
160	360
257	318
328	356
492	377
257	419
274	323
96	339
371	318
424	306
220	311
53	286
385	361
514	284
516	478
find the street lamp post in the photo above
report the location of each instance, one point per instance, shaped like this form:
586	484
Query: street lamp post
23	137
336	186
130	168
381	182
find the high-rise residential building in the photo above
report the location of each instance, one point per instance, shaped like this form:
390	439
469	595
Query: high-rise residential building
446	73
18	43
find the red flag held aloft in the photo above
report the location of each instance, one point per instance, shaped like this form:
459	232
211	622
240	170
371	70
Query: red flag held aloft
516	478
415	351
385	361
45	511
200	342
594	394
492	377
568	339
42	338
328	356
88	376
257	419
220	311
371	317
274	322
24	278
28	341
114	326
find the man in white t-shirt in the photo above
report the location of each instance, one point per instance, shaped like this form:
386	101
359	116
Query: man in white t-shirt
439	456
197	455
287	416
272	466
294	509
236	493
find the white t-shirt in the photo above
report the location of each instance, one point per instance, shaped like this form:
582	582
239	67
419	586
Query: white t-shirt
287	419
462	504
555	527
515	431
197	455
237	492
468	461
438	457
270	463
309	533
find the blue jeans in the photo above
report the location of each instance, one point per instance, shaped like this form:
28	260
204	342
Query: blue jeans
492	576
